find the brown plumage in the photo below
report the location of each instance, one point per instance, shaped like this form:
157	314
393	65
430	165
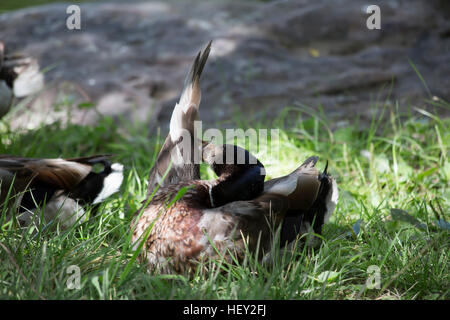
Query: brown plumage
218	218
192	229
62	184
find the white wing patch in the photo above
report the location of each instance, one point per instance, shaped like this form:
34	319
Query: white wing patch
111	184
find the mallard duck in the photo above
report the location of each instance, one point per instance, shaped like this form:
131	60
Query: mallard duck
186	220
61	186
220	217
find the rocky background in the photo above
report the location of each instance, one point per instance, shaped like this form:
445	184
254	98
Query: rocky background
130	58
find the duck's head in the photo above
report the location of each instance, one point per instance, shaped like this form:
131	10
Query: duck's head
240	174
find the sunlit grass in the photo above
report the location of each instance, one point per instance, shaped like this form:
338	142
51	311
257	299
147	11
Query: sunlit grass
399	161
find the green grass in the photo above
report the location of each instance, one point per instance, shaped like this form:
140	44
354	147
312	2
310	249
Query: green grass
10	5
398	161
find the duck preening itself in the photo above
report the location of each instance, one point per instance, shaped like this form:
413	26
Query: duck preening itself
219	218
60	187
185	220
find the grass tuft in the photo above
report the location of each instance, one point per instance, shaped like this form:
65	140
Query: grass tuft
392	213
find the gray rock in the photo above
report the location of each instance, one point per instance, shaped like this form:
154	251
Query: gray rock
131	58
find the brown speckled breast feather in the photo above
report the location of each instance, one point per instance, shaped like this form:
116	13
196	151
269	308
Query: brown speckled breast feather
175	240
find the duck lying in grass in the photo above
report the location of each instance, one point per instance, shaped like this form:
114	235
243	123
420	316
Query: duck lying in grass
186	220
220	217
61	187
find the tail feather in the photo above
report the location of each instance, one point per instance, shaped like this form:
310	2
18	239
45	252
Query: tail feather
311	197
325	170
310	162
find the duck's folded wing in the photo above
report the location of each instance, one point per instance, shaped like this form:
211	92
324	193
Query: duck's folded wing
58	173
283	203
245	221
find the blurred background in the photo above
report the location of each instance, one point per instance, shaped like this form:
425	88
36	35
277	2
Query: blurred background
130	58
